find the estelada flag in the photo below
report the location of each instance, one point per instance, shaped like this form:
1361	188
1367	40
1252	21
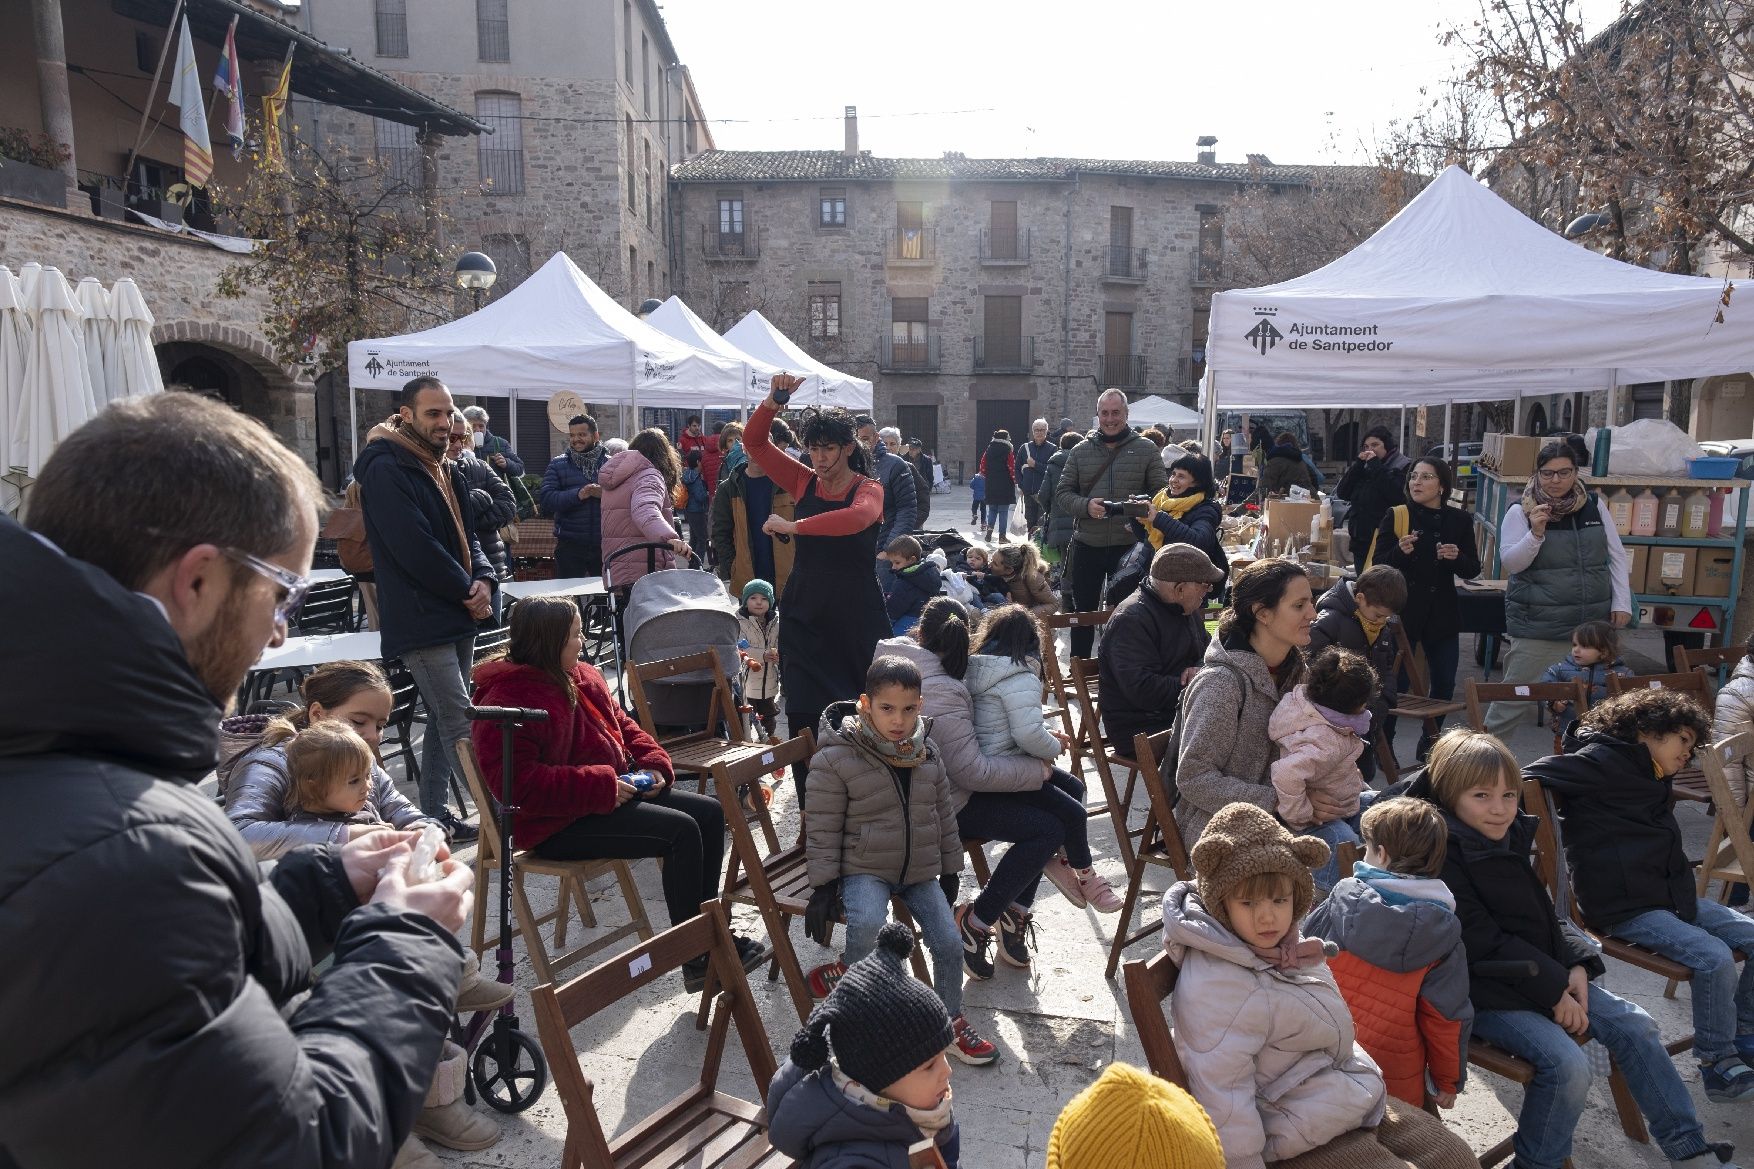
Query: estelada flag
186	96
228	79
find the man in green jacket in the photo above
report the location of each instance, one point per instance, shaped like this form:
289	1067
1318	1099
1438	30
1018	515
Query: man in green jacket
1113	464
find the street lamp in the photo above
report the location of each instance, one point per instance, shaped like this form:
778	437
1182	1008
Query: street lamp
649	305
476	273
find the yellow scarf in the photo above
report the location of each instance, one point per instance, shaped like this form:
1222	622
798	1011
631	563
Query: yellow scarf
1176	506
1372	630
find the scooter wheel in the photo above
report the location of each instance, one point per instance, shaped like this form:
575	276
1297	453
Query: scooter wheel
513	1084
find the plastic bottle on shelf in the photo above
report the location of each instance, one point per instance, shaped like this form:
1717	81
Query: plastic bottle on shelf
1696	514
1620	510
1644	513
1714	526
1669	513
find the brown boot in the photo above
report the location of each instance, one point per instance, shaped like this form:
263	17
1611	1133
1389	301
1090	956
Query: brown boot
477	993
447	1118
414	1155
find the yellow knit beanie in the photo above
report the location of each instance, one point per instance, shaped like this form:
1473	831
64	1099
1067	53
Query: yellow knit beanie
1130	1118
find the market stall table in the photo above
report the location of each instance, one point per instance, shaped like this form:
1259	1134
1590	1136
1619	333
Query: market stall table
326	575
571	586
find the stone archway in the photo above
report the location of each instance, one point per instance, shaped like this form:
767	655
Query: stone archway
239	366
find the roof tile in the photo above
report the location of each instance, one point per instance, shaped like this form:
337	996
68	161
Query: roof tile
719	166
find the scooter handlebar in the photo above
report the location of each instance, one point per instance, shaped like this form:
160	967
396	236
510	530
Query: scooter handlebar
505	714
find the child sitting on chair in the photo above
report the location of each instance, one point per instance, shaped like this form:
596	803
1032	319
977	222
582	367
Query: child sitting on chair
888	1086
1631	876
1261	1028
1595	653
1507	916
882	824
1319	728
1401	964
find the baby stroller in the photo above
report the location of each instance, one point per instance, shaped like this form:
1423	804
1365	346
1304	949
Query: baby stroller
665	614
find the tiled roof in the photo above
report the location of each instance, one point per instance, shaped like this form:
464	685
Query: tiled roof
720	166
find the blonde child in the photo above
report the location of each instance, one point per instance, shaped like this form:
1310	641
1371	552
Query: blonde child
1026	577
1508	919
1319	728
1595	653
331	771
1263	1032
977	569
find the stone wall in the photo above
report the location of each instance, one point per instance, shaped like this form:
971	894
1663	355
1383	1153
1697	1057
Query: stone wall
178	278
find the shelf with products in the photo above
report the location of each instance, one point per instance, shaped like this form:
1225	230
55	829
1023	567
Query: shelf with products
1693	609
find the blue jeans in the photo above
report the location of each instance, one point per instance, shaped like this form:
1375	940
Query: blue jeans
1723	1003
1554	1100
1336	833
441	672
867	903
999	517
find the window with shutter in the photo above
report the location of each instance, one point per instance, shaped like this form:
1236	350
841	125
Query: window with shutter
492	30
1004	331
392	22
1002	229
501	152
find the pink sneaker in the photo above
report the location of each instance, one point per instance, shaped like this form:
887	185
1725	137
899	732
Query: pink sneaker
1096	890
1066	881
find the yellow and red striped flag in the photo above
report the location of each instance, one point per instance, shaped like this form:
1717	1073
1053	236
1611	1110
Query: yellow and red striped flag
186	96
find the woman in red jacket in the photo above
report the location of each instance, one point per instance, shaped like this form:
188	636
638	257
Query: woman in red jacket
576	774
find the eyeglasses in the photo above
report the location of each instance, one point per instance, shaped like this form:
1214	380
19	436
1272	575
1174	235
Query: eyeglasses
1561	473
456	440
296	586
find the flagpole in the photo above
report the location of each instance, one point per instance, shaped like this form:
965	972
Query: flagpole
151	92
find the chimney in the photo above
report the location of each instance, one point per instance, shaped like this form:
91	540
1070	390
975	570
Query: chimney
1207	156
852	147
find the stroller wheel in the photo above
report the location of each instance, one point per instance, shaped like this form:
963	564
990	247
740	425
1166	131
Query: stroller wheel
513	1083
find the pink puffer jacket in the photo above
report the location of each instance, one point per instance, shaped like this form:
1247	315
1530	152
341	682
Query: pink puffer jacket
636	510
1314	755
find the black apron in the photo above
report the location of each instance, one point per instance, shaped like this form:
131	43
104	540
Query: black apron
827	633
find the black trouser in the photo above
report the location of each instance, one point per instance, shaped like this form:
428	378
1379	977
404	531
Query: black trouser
797	720
1031	510
1090	567
766	711
577	558
686	829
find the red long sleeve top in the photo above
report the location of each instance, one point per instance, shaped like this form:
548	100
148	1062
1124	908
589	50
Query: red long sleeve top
794	476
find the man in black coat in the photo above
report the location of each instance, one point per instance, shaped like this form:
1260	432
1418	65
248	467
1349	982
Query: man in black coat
1153	645
434	582
149	1016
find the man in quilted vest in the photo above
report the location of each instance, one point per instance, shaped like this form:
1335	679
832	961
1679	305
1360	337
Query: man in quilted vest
1402	967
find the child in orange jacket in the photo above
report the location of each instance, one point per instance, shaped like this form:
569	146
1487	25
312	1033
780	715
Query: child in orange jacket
1402	967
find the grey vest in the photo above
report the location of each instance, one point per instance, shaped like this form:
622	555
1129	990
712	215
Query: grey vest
1567	584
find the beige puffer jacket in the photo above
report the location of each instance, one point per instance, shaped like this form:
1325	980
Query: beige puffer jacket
859	822
1007	708
1270	1054
948	705
1735	713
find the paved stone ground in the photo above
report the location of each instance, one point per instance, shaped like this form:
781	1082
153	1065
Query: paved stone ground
1056	1025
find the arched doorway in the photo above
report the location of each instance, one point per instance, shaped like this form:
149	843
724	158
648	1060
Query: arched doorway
1538	420
1565	416
212	372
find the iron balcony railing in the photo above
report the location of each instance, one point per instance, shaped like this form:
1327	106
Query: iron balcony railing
1126	263
913	355
1004	247
1004	355
730	245
913	245
1123	370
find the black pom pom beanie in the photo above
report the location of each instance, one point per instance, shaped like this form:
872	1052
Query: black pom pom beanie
880	1020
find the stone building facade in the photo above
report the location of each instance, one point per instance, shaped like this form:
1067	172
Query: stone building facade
976	294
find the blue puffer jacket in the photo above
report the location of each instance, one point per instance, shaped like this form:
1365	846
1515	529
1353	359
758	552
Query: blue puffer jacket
575	520
1566	670
422	580
812	1121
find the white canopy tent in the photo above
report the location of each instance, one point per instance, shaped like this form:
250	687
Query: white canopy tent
1461	298
555	331
1152	410
677	319
756	336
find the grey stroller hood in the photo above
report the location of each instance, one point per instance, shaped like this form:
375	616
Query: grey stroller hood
675	612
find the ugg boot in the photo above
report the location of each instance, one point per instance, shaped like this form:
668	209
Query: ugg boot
476	993
448	1119
414	1155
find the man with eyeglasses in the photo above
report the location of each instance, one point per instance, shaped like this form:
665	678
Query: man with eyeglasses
434	582
153	1020
490	498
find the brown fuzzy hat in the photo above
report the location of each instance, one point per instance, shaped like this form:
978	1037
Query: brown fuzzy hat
1243	841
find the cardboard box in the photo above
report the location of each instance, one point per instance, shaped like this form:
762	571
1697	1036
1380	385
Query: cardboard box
1285	518
1671	571
1516	458
1491	447
1712	577
1640	558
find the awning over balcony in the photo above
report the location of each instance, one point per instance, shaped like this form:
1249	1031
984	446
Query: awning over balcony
319	72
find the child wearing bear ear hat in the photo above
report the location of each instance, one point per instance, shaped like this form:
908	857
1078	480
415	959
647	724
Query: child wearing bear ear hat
1261	1028
887	1087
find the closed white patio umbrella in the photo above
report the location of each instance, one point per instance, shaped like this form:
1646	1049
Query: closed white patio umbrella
99	330
15	332
136	370
57	378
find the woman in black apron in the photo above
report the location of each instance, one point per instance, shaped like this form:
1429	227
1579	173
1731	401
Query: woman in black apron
831	614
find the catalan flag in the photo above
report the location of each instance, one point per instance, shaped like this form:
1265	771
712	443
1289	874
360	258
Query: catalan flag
186	96
272	106
228	79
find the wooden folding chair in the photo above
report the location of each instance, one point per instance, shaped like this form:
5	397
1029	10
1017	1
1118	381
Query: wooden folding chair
1729	853
777	884
572	875
1483	694
1718	662
1413	702
1160	844
1065	705
703	1128
1119	800
696	752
